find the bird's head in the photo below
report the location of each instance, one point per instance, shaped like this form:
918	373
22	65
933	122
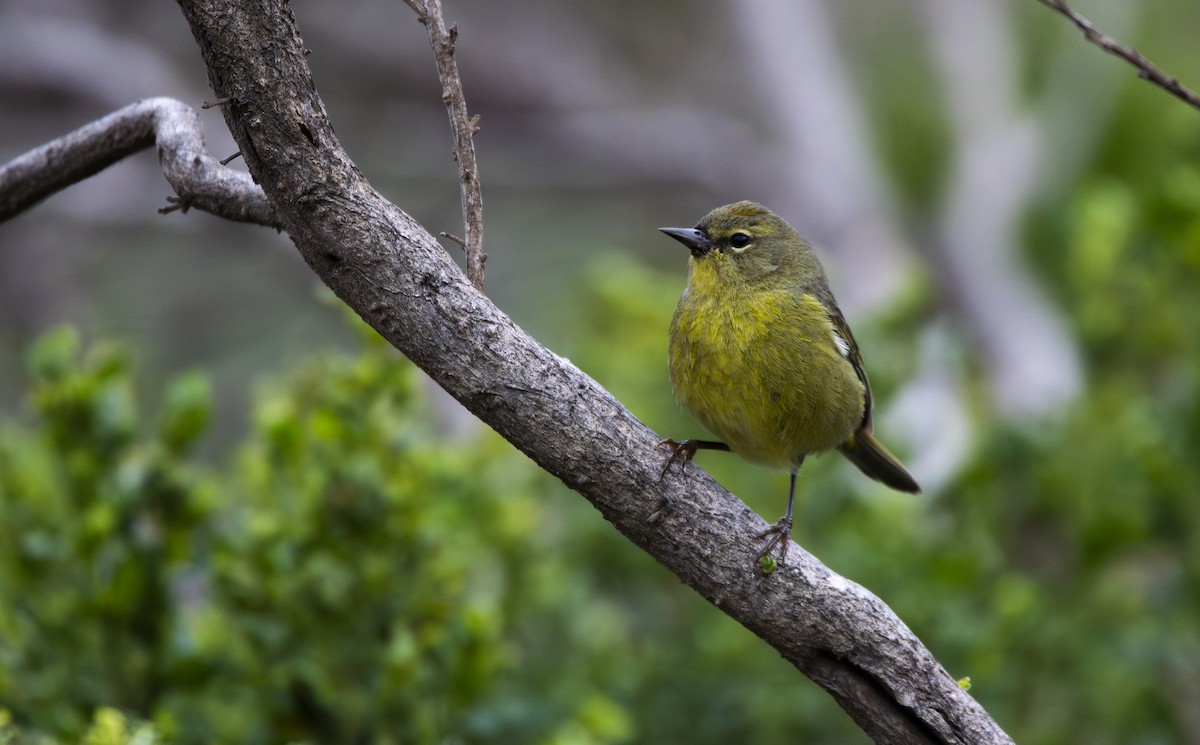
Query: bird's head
745	242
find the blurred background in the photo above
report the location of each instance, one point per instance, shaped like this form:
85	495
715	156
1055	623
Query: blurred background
231	514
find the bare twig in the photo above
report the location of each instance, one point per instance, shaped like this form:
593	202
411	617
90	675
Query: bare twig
416	9
173	126
1146	69
453	237
464	126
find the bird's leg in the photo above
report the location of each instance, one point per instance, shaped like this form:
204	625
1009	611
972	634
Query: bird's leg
781	531
686	450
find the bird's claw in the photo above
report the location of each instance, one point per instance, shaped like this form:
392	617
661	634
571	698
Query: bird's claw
680	451
781	533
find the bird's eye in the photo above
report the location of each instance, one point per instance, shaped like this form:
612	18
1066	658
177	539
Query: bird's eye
739	239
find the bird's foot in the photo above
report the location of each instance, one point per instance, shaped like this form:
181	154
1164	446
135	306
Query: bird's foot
680	451
781	536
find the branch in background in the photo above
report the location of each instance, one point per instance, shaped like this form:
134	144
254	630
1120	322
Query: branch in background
1146	69
997	167
464	127
198	179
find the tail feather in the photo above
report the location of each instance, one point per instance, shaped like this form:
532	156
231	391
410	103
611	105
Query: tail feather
873	459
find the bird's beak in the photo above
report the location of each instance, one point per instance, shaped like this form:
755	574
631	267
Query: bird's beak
697	242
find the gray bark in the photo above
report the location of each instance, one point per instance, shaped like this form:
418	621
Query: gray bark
198	179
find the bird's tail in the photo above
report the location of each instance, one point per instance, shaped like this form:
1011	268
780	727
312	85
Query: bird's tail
873	459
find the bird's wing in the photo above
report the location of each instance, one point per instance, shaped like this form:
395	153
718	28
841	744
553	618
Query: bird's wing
844	340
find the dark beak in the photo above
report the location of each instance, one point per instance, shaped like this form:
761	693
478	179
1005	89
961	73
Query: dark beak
697	242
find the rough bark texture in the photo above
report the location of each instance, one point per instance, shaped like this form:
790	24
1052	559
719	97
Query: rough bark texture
198	179
396	276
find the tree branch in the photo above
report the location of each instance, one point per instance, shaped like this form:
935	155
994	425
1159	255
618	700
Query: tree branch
398	278
463	127
1146	69
198	179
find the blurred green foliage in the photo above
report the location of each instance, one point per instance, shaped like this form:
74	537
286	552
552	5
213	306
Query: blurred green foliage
350	575
348	578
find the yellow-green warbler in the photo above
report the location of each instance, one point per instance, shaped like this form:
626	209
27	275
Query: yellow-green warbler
761	355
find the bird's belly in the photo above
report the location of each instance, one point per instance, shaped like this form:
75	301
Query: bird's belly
771	395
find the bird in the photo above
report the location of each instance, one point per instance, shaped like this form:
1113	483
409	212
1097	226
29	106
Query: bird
761	355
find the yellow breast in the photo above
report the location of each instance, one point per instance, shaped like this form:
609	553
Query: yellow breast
761	368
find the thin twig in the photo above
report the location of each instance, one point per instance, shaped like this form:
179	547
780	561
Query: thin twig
416	9
453	237
464	126
1146	69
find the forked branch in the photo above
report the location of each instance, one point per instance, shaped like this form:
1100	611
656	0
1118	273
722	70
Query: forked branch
199	180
